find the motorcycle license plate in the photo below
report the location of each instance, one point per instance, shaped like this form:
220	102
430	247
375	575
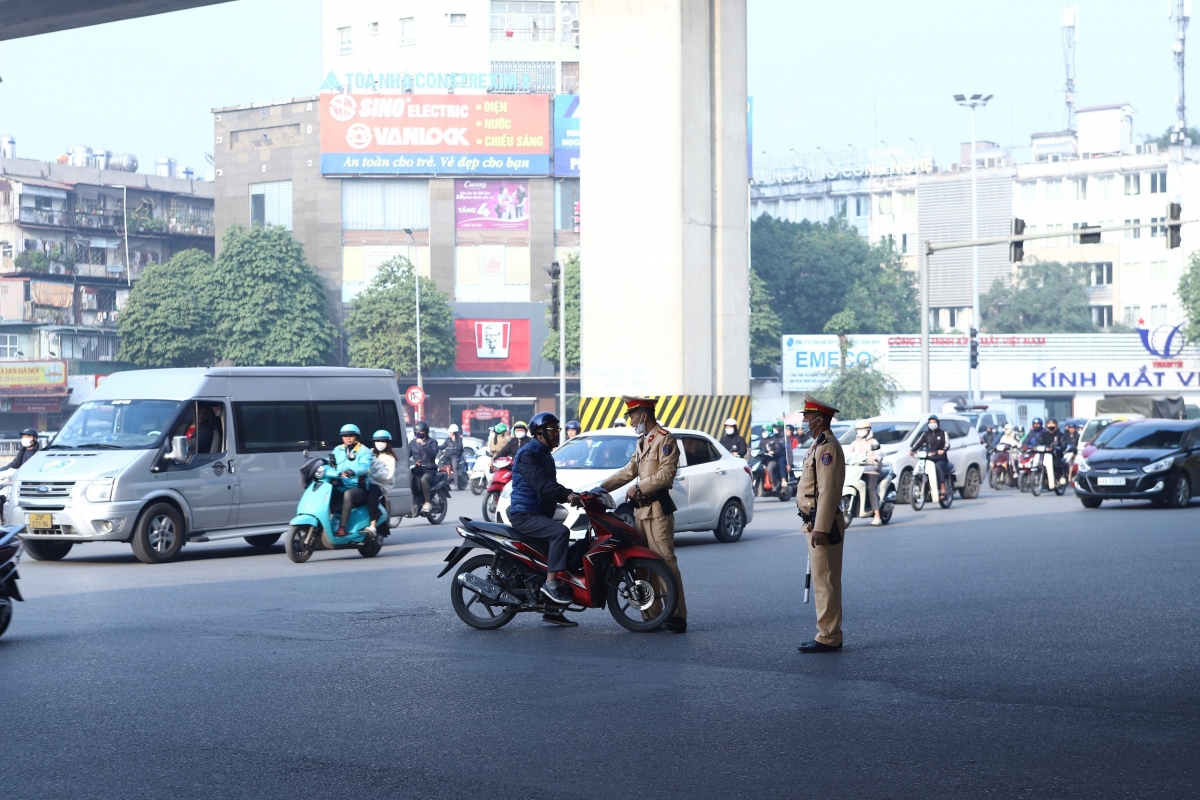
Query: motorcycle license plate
1110	481
40	522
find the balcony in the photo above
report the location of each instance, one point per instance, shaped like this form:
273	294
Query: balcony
47	315
47	217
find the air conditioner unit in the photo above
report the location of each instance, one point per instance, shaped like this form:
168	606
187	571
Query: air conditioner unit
575	26
577	40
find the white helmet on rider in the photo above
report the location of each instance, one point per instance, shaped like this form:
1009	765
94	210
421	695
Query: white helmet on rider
452	429
1008	428
862	428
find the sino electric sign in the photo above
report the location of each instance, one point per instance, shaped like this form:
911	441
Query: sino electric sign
406	134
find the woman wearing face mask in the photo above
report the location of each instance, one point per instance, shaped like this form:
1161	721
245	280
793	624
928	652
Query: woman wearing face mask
733	441
29	446
864	445
519	439
382	478
934	442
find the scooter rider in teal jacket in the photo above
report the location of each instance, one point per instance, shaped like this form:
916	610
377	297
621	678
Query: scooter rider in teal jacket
353	462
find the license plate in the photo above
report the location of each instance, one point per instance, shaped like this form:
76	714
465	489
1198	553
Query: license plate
1110	481
41	522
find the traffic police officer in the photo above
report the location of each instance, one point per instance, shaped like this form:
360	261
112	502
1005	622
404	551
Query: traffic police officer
819	498
653	466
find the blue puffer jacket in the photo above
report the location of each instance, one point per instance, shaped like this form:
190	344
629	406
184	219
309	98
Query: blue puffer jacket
535	486
356	459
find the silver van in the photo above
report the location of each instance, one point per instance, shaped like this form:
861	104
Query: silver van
162	457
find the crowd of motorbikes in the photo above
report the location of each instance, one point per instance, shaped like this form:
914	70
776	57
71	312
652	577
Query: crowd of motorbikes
1032	467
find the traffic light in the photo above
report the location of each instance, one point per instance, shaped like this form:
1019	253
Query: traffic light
1089	238
974	349
1016	250
552	309
1174	225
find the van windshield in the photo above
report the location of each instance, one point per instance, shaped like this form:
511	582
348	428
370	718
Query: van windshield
117	425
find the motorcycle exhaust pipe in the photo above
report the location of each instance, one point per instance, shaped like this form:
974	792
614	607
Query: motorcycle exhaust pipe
487	589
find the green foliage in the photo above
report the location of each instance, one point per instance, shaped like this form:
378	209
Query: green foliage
1046	297
382	323
31	261
570	318
842	323
162	324
857	390
1164	140
766	333
267	304
813	271
1188	293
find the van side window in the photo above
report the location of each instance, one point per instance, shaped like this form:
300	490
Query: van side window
332	415
391	420
273	427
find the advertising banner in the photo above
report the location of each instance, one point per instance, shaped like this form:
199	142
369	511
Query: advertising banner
492	345
809	362
33	377
493	205
406	134
566	135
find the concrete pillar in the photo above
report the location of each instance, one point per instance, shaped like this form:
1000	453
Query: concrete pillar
664	198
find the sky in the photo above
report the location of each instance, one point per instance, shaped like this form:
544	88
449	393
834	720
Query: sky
861	74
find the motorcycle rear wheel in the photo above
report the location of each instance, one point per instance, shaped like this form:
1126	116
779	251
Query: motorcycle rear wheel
948	500
631	586
294	545
370	548
438	513
6	612
885	513
464	600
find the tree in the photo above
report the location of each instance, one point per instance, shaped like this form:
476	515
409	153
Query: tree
161	324
1045	297
766	333
382	323
1164	141
267	303
857	390
884	297
568	316
1189	295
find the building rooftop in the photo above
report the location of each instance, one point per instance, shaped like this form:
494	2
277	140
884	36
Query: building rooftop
67	176
267	104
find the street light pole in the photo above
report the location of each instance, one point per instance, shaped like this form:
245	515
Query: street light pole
974	102
924	246
417	283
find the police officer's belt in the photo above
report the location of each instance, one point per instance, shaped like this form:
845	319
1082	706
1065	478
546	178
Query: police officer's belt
662	497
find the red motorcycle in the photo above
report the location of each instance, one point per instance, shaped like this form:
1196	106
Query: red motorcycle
501	477
606	567
1003	472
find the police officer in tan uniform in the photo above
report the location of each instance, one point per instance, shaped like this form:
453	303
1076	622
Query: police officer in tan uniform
653	465
819	498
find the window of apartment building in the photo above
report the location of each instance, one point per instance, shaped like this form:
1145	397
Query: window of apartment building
271	204
570	77
521	77
1054	191
1131	273
1158	316
1132	316
814	209
458	20
523	21
1079	188
570	21
862	205
1133	184
1133	233
1158	226
1103	186
566	205
373	28
1158	182
344	41
907	202
385	205
1102	273
1158	271
408	31
884	203
904	241
8	345
1102	316
88	348
839	206
1028	192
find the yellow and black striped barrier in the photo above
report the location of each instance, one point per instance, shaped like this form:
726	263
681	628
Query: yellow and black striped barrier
699	412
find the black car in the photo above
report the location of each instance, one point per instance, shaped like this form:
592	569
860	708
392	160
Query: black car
1148	459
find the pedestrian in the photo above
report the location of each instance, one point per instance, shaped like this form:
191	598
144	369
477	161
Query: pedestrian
733	441
821	480
652	467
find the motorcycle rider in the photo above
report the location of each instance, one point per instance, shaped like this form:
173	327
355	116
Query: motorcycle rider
1009	437
353	462
1036	436
866	445
774	455
935	442
423	451
452	448
1057	441
733	441
382	478
573	429
536	493
29	446
499	438
520	438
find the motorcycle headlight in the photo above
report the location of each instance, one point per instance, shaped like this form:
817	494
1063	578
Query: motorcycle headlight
1160	465
319	472
100	490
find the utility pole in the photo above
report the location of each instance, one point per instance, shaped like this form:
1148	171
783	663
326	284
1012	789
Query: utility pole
975	101
924	245
1181	13
417	283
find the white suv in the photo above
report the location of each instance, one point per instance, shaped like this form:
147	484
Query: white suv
896	434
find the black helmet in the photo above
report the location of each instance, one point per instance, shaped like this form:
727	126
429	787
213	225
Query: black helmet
573	425
541	420
29	432
933	418
421	427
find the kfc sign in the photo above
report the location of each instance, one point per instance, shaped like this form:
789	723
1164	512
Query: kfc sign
492	339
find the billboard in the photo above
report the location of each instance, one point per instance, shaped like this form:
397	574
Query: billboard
491	205
810	362
566	135
492	345
407	134
33	377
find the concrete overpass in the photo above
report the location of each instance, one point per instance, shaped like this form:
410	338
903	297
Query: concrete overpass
21	18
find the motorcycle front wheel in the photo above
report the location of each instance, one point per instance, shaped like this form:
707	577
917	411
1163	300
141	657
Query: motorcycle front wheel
300	543
489	506
916	492
637	589
477	485
6	611
1035	481
470	607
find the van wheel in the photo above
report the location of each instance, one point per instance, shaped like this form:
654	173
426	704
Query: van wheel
158	537
265	540
41	550
731	523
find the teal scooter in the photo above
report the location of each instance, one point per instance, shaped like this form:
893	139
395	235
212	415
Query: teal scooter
314	525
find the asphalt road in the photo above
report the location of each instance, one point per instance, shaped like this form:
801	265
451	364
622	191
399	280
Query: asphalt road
1008	647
